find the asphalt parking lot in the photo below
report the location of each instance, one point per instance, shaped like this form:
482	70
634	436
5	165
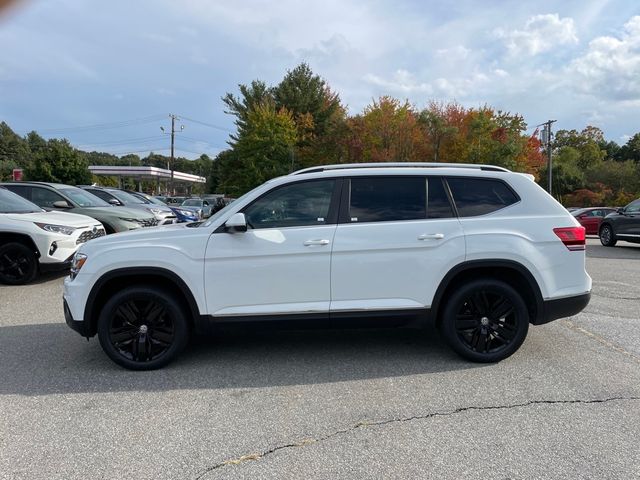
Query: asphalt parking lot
382	404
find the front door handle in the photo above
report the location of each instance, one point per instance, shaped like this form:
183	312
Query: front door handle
310	243
431	236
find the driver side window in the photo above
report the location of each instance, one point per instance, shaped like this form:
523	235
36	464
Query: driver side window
633	207
296	205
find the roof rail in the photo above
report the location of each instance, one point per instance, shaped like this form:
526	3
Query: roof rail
343	166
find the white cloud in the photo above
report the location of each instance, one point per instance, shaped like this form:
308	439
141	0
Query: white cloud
610	67
402	81
541	33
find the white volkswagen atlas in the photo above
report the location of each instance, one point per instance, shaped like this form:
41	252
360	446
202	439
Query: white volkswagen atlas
32	239
481	251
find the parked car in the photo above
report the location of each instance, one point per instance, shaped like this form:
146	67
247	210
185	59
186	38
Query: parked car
65	198
163	214
182	215
623	224
171	201
201	207
479	250
591	218
33	240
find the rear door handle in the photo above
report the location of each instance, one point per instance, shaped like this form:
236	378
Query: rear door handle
310	243
431	236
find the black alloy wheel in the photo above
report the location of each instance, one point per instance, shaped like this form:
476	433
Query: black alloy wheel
607	237
485	321
142	328
18	264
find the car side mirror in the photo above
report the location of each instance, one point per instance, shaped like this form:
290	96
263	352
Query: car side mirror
115	202
237	223
620	210
61	204
582	216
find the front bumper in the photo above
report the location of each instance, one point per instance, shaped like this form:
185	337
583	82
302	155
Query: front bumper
78	326
562	307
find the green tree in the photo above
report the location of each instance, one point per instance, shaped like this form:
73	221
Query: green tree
59	162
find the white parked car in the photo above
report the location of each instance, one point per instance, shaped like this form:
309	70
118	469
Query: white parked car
481	251
32	239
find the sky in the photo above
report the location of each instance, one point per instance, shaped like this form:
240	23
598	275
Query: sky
107	74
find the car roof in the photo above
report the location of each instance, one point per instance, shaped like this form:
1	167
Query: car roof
398	165
45	184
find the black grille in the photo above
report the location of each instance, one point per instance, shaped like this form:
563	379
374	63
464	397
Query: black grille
152	222
90	234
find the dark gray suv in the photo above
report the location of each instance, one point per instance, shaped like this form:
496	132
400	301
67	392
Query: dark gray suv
66	198
624	224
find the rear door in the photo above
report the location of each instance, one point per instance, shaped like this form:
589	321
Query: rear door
397	237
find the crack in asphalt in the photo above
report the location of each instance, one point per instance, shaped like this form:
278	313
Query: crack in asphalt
377	423
602	340
612	297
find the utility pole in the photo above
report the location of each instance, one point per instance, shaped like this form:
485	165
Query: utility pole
546	138
172	156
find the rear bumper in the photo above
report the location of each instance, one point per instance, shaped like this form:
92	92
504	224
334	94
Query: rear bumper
562	308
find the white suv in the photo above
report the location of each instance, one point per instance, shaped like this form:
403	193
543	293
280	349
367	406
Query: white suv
479	250
33	239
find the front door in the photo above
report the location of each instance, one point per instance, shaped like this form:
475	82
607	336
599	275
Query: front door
281	264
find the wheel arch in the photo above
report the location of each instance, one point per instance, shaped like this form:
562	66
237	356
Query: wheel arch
118	279
22	238
513	272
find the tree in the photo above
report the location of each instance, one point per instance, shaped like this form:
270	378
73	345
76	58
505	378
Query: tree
264	148
59	162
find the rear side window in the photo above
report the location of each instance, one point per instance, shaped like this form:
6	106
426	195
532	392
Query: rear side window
387	199
480	196
438	205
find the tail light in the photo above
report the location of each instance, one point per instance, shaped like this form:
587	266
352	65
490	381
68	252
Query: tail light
572	237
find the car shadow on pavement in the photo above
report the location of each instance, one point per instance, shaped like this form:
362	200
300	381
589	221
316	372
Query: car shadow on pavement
49	358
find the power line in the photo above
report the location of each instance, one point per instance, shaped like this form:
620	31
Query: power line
210	125
103	126
120	142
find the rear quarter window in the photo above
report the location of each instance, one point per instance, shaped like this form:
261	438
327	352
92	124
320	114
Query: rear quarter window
480	196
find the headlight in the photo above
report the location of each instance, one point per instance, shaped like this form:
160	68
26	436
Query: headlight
78	261
186	213
65	230
156	211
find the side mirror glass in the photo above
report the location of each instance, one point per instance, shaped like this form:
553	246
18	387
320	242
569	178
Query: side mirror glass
113	201
237	223
61	204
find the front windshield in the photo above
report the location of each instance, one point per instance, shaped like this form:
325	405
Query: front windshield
13	203
153	200
192	203
126	198
83	198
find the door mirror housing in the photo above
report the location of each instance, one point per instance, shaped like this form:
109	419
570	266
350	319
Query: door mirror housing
237	223
61	204
115	202
620	210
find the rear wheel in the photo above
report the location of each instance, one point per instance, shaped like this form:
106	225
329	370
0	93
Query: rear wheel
607	237
485	321
18	264
142	328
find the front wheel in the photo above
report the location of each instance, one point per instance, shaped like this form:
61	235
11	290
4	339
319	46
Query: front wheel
142	328
607	237
18	264
485	321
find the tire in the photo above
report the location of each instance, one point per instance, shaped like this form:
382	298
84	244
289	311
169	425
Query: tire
18	264
606	235
485	321
143	328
